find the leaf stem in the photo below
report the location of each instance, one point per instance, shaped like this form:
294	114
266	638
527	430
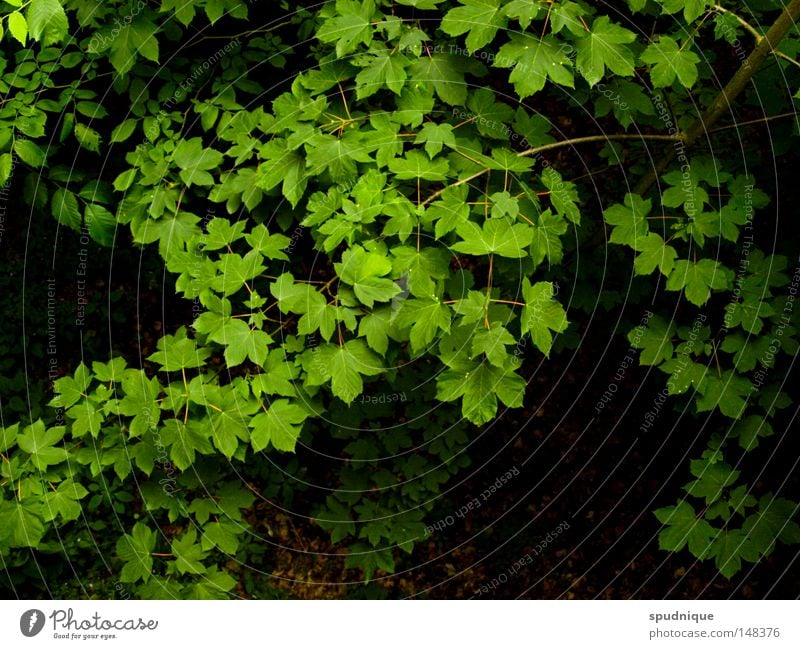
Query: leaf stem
507	302
488	292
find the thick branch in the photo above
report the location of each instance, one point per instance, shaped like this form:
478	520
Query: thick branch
758	36
722	103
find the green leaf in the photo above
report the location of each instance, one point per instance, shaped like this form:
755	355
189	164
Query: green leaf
336	154
18	27
567	14
417	166
350	28
87	137
186	440
563	195
669	61
47	21
278	377
64	207
364	272
222	535
727	392
69	390
135	551
194	161
22	523
271	246
445	72
140	401
534	61
655	341
215	9
111	371
369	560
123	130
504	204
343	367
481	18
30	153
87	419
774	521
653	253
101	224
489	115
605	46
435	136
749	429
236	271
712	479
426	317
188	554
629	221
524	11
6	161
375	328
692	9
8	436
292	297
64	501
750	310
497	236
492	342
40	442
740	498
698	279
229	420
385	69
241	341
138	37
479	389
420	4
283	167
474	307
448	215
176	353
504	159
541	314
626	99
124	181
547	238
729	548
279	426
682	526
683	375
534	128
221	233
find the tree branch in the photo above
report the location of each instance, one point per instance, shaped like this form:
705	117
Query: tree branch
722	103
599	138
758	36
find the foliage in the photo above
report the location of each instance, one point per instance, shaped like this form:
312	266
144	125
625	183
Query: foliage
433	237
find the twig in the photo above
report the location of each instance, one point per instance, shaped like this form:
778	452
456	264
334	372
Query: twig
556	145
